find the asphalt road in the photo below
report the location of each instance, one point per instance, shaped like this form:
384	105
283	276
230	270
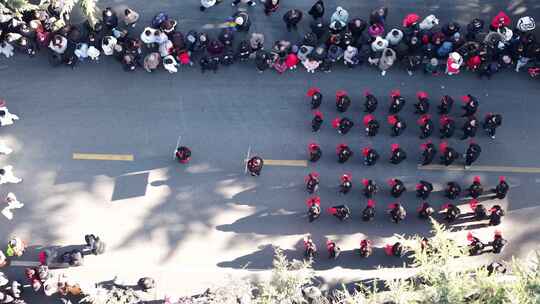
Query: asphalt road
192	225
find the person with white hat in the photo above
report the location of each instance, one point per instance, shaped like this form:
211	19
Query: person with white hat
205	4
525	24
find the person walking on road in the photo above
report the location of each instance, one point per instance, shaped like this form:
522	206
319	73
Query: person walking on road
7	176
255	165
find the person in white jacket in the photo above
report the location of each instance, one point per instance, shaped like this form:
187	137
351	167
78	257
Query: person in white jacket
4	149
7	118
12	204
107	45
7	176
170	64
147	36
6	49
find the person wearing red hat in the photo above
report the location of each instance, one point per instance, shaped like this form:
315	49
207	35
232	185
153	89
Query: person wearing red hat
469	128
423	189
411	21
312	182
397	102
451	212
370	188
255	165
448	126
498	242
369	212
470	105
342	212
343	125
398	126
426	126
343	152
500	20
428	152
343	101
398	155
333	249
314	152
316	97
475	189
317	121
495	214
397	187
371	125
475	245
449	155
452	190
314	208
310	250
183	154
365	249
370	156
446	105
345	183
425	210
478	209
422	106
397	212
395	249
371	102
491	123
472	154
502	188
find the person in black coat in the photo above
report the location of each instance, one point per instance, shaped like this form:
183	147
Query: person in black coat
317	10
292	18
398	187
452	190
446	105
428	153
501	190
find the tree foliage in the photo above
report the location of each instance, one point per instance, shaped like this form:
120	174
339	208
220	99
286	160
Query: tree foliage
88	8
